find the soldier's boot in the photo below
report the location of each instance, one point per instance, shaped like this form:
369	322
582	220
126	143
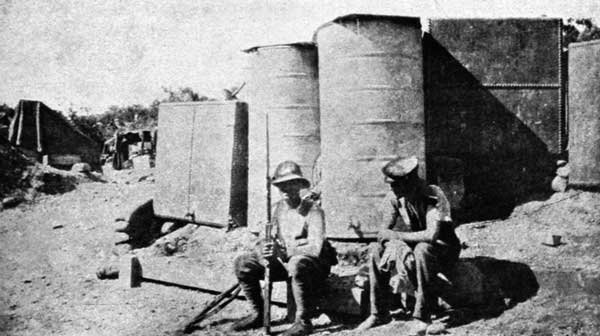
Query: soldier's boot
373	321
304	305
300	328
255	319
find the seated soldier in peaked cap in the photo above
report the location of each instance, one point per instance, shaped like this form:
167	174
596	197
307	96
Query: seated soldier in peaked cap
416	239
303	256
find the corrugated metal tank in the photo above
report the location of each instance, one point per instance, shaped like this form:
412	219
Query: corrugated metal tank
282	91
371	89
201	161
584	114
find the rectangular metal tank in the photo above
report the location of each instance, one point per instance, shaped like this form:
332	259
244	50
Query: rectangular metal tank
584	114
494	99
202	161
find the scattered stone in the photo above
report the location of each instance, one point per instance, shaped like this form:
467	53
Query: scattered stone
11	202
167	227
436	329
108	272
57	226
169	248
27	281
563	171
559	184
322	320
81	167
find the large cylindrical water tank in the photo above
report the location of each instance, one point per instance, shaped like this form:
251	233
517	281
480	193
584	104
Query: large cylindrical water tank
282	92
371	94
584	114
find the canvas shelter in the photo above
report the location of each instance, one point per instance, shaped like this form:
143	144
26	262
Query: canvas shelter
38	130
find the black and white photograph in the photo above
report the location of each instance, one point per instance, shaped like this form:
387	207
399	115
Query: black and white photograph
300	167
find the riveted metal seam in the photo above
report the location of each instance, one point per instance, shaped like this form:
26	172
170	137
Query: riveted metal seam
561	112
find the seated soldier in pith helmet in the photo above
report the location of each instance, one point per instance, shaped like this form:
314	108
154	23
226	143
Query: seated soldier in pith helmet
300	252
416	238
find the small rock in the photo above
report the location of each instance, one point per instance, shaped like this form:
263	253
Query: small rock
170	248
559	184
81	167
322	320
27	281
167	227
57	226
108	272
563	171
436	329
10	202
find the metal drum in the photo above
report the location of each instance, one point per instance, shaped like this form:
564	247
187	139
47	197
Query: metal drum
282	91
371	89
584	114
201	161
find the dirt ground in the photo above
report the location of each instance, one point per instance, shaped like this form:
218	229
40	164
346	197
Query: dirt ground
53	246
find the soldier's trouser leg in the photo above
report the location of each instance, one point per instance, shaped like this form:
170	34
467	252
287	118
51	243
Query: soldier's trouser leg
249	270
379	282
307	274
428	261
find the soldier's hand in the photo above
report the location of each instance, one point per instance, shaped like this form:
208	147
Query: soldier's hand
268	250
385	236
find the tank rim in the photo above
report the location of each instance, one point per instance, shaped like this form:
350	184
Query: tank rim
306	45
411	20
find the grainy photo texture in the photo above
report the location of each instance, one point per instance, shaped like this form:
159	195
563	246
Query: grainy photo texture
299	167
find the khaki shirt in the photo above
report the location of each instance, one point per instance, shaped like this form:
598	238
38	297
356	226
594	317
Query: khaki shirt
300	233
428	206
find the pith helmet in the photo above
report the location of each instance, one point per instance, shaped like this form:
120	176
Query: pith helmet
288	171
399	167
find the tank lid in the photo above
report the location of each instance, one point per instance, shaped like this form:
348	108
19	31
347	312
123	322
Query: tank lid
408	20
412	20
304	45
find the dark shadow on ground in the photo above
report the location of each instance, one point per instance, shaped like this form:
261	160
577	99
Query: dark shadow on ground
144	228
479	288
503	285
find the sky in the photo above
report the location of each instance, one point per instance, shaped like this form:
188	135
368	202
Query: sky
88	54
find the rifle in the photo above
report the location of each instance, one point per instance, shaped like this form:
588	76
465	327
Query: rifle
268	284
268	240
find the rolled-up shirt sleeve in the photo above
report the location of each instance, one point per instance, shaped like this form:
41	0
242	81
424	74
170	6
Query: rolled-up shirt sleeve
389	212
440	212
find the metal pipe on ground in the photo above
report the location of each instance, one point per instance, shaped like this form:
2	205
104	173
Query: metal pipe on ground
135	277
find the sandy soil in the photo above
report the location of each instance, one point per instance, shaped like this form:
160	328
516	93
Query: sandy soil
52	248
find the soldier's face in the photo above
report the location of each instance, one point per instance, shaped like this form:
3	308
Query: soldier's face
401	186
290	190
